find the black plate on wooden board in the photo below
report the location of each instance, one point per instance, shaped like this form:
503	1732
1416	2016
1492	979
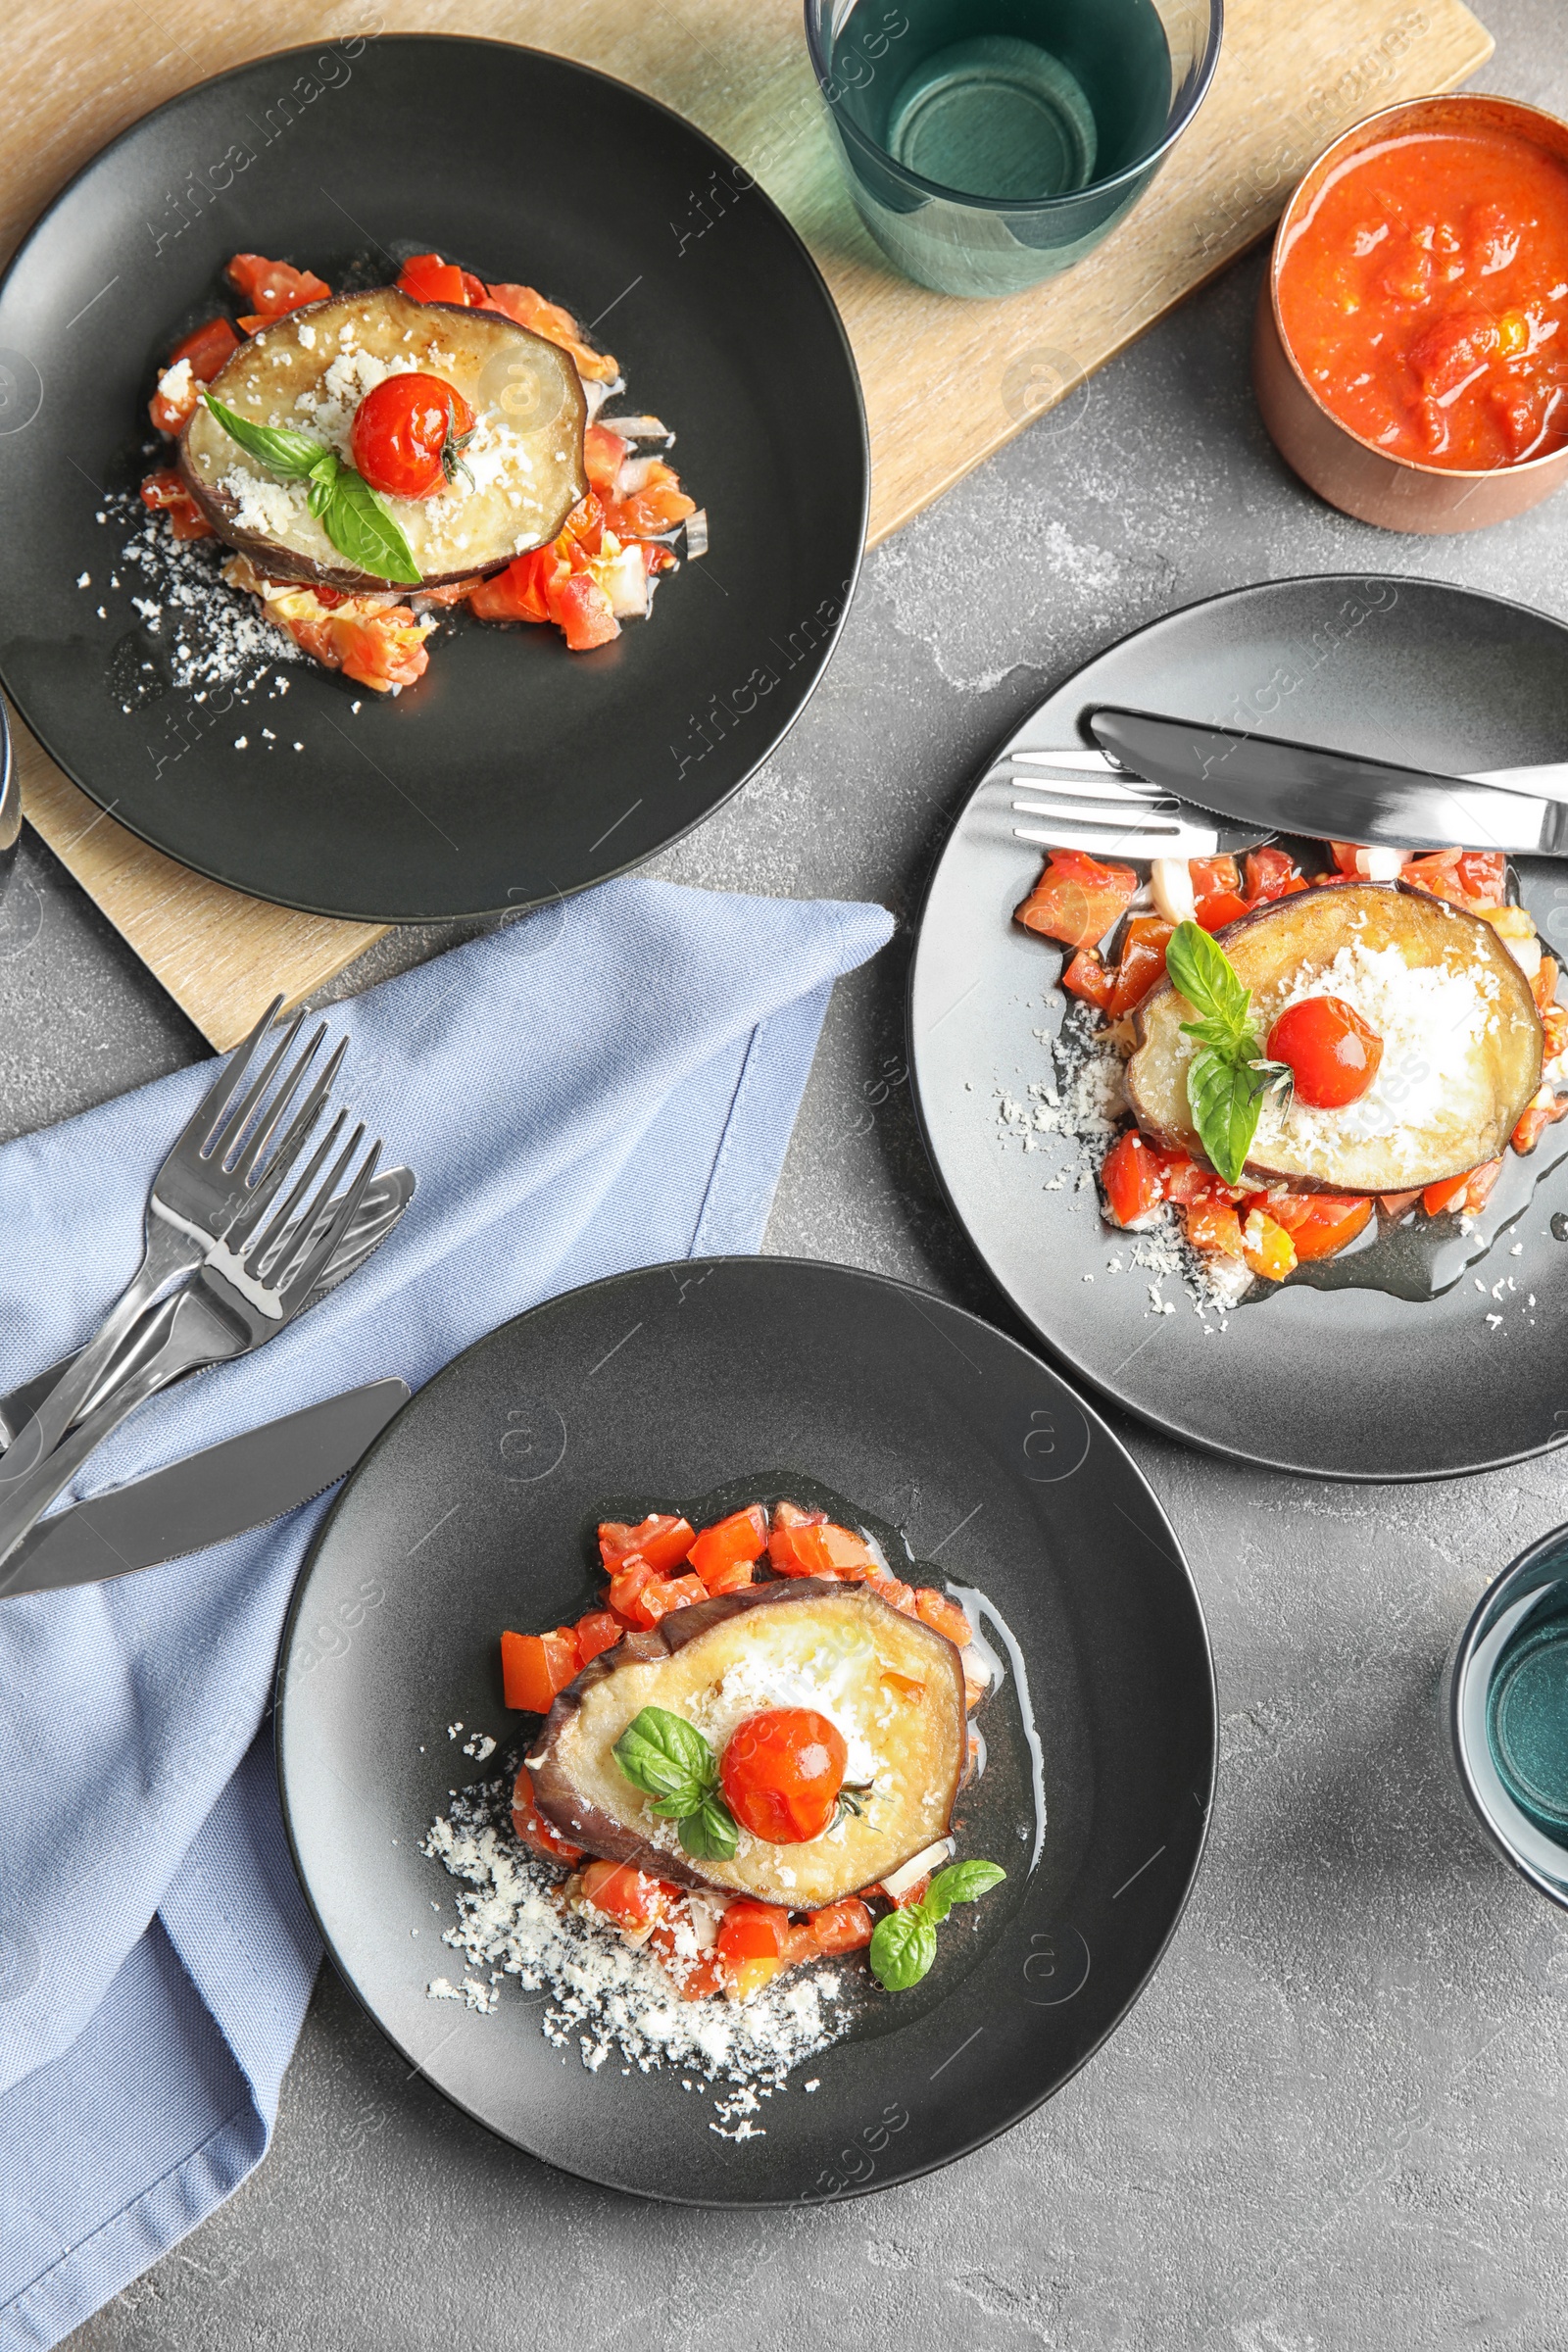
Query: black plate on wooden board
1344	1381
476	1511
513	771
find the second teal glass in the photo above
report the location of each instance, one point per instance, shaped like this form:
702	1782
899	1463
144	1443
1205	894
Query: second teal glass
993	143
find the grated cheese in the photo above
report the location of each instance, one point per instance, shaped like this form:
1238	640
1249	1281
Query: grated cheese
607	1997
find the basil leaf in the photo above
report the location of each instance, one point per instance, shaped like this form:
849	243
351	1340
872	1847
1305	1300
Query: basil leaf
361	528
324	482
959	1883
271	445
903	1948
666	1756
1225	1096
708	1834
1202	972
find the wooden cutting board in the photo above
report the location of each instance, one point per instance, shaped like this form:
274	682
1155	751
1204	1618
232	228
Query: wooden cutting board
946	381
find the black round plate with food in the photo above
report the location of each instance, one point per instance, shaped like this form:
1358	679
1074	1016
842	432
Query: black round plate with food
1357	1372
513	771
706	1383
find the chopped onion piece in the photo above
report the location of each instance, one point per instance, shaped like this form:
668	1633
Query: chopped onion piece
638	428
1381	865
697	532
1525	954
900	1880
1172	886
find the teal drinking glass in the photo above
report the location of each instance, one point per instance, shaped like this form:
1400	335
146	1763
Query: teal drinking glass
1508	1713
993	143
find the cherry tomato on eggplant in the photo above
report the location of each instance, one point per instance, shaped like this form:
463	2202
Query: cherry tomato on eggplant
1334	1054
408	433
781	1774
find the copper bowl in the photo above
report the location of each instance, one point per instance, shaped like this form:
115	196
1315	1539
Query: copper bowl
1400	494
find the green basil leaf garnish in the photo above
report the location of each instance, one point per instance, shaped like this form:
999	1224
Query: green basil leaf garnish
710	1835
960	1883
274	446
1225	1096
903	1948
664	1755
361	528
1202	972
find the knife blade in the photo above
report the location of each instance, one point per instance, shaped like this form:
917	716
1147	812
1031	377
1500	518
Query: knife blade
206	1498
1341	795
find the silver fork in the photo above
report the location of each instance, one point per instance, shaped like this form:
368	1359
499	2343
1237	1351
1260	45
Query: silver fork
386	1197
244	1295
221	1163
1102	807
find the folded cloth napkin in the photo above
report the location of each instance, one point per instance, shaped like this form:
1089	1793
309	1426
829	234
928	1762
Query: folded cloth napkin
603	1085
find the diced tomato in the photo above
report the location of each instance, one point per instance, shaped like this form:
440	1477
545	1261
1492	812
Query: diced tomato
1554	1021
1334	1054
661	1539
167	493
743	1535
535	1666
1449	1194
660	1598
628	1897
1133	1178
601	455
910	1895
427	277
798	1548
1321	1224
656	508
1213	878
1482	876
891	1589
1394	1205
580	610
380	650
273	288
627	1585
1544	1111
1224	907
1466	1193
532	1827
1543	987
518	592
1086	977
1269	874
1215	1225
1345	858
548	319
1141	962
752	1930
702	1976
1076	899
207	349
600	1629
944	1616
841	1926
1184	1181
743	1978
733	1579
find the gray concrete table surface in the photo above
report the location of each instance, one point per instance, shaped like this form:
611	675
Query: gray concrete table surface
1336	2116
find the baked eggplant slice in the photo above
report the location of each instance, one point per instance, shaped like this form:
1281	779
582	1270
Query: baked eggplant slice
1462	1039
894	1687
311	371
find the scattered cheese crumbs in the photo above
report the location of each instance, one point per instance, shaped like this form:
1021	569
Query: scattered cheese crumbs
220	640
1494	1320
453	1729
240	742
816	2084
85	580
607	1997
1517	1250
480	1745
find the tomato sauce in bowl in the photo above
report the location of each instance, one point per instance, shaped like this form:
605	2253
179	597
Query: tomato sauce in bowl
1423	293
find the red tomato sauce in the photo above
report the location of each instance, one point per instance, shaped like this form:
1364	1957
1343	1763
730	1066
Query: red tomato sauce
1425	297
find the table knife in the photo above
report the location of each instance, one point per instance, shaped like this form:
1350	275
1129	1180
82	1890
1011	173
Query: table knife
206	1498
1341	795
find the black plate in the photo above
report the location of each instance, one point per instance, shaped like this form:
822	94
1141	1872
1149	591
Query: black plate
471	1514
1342	1381
513	772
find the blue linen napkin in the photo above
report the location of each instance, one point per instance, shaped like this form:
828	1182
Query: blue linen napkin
603	1085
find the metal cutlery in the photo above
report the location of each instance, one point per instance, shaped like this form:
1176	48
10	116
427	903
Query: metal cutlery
229	1161
386	1197
249	1288
1159	787
206	1498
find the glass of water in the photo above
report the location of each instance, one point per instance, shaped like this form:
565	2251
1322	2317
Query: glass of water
993	143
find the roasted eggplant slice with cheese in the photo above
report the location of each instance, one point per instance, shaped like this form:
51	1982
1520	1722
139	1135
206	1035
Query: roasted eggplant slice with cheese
891	1686
522	468
1461	1040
